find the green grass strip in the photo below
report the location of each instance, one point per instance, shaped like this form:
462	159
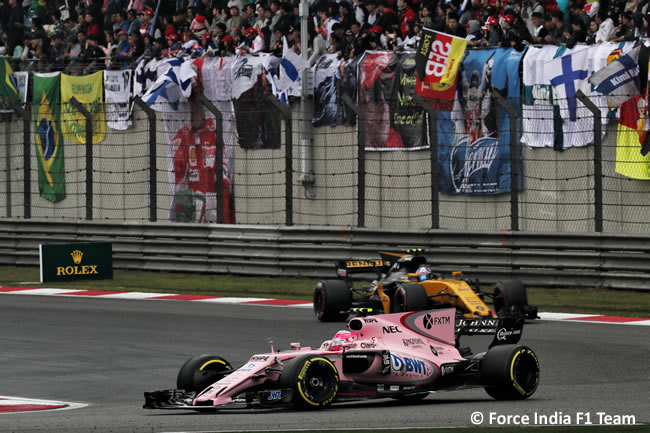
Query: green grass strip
627	303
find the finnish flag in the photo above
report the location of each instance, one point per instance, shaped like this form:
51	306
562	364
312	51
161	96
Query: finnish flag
291	66
172	86
568	74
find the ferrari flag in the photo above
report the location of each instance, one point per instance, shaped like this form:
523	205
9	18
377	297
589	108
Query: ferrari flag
88	90
437	60
49	141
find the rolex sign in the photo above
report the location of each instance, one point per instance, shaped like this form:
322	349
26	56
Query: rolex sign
71	262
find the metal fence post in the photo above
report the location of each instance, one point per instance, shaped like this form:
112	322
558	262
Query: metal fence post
89	155
598	160
218	119
514	159
153	153
285	112
27	157
361	160
435	175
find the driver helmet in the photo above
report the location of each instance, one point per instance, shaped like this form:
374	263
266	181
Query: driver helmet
343	337
424	273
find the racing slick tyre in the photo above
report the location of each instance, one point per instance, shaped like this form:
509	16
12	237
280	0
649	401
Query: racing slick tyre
508	295
332	300
201	371
510	372
409	297
313	379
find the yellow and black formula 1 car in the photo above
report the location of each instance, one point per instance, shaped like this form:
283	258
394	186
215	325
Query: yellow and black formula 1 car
406	283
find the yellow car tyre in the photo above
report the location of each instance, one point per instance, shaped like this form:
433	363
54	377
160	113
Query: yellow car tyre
509	294
409	297
332	300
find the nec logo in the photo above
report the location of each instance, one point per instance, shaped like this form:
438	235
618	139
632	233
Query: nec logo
390	330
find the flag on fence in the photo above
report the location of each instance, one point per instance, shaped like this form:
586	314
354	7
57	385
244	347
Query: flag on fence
49	140
568	74
88	91
172	85
620	79
632	137
8	87
117	89
437	60
291	66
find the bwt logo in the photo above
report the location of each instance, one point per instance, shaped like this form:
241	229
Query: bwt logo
408	365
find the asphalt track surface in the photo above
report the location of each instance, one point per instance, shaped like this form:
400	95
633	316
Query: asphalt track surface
105	353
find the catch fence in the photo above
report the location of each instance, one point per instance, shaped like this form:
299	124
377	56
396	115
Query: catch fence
279	169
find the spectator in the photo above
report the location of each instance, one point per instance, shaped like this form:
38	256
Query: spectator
537	20
91	27
14	26
546	34
173	44
373	13
474	35
275	11
561	32
455	29
575	11
605	27
494	37
406	14
287	19
510	36
425	16
123	47
248	14
325	24
412	38
59	50
626	31
261	20
134	22
591	32
578	33
345	16
389	18
318	45
199	26
235	21
109	48
360	12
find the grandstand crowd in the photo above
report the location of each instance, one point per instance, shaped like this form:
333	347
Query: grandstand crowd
77	36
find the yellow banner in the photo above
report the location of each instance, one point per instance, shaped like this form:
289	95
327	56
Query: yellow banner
87	90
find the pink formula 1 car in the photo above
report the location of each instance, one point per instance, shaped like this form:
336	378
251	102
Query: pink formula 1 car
402	355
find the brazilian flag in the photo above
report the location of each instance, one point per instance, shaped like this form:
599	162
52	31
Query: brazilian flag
49	139
8	88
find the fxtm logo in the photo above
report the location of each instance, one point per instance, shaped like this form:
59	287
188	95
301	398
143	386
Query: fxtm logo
77	256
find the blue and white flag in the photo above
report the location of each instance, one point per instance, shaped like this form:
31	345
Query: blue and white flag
172	86
620	79
567	75
291	66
